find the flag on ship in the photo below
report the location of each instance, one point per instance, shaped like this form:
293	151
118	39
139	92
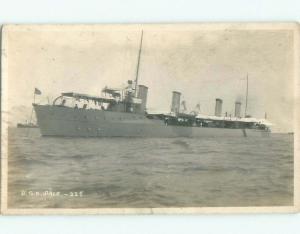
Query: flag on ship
37	91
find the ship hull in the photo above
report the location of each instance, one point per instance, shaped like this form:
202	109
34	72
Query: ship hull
70	122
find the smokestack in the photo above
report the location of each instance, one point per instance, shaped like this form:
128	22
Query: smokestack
218	109
237	110
175	102
142	94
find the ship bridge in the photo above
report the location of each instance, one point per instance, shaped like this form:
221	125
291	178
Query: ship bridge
119	100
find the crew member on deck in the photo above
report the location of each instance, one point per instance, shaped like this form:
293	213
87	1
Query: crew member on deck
63	102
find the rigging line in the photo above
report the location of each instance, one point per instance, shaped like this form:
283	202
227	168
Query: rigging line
138	64
246	97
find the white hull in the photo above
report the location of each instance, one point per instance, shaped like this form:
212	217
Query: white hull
70	122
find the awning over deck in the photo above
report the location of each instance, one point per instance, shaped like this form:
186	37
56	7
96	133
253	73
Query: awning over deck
233	119
89	97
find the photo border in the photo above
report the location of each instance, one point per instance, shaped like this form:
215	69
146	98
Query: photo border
174	210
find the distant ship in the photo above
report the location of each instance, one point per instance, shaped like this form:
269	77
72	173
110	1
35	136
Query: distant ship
122	112
27	125
30	123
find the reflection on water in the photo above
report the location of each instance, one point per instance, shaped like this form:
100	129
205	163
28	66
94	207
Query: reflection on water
148	172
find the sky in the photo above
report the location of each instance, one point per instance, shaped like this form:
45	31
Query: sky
201	62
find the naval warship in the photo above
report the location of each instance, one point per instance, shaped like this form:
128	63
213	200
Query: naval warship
122	112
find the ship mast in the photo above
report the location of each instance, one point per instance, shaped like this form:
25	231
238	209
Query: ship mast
246	96
138	65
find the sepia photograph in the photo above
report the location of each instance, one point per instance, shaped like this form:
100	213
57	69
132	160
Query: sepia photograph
150	118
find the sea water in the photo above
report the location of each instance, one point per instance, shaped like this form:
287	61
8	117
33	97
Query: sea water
49	172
